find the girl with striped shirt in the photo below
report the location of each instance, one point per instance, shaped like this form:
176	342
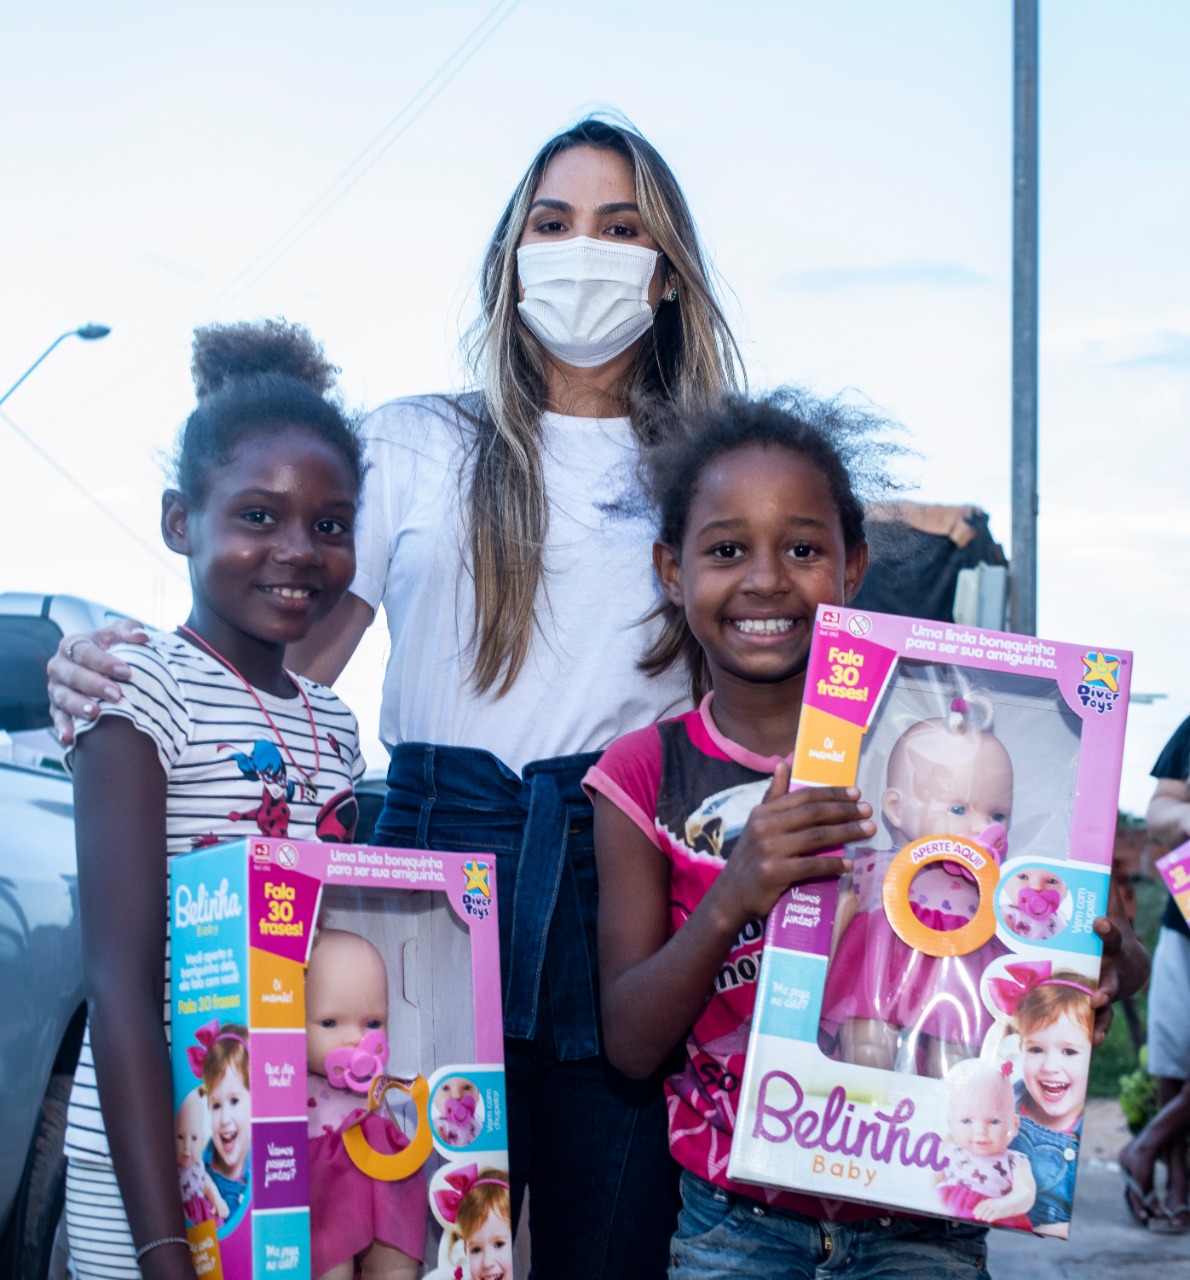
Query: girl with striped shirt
213	739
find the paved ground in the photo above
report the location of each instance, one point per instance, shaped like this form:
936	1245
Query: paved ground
1104	1242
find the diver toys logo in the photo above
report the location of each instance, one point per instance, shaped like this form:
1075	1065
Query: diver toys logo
477	893
1099	688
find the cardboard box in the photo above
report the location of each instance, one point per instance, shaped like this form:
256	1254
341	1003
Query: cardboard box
406	1040
1175	871
992	762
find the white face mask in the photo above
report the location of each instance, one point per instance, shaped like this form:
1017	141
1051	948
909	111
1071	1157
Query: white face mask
585	300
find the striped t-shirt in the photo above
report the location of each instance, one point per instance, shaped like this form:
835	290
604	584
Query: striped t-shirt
227	777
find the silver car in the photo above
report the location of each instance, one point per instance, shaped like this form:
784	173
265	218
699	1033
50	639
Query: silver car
41	971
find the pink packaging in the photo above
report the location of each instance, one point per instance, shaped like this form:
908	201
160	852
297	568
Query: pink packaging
922	1030
337	1052
1175	871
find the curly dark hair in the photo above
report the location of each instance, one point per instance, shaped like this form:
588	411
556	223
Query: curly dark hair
848	445
254	378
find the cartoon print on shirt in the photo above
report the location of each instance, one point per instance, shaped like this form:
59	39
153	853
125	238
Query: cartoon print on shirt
265	765
715	825
337	818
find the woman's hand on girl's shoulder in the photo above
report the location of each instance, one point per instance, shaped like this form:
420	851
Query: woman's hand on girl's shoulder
785	838
82	673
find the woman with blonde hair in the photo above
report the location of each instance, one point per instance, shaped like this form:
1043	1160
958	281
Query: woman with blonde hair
498	532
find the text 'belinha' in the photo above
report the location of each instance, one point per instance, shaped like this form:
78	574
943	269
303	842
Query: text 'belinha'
885	1138
203	907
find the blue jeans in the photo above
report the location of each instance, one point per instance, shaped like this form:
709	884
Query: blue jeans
720	1235
591	1144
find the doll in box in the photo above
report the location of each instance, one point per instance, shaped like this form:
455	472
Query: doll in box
983	1180
201	1200
947	775
353	1215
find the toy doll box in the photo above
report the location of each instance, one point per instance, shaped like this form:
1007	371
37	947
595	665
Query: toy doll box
1175	871
407	951
992	764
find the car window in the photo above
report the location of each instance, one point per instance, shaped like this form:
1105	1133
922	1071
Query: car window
26	645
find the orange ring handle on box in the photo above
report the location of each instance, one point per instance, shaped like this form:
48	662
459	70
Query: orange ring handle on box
923	853
385	1166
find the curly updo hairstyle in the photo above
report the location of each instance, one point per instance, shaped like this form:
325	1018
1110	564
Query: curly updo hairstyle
258	378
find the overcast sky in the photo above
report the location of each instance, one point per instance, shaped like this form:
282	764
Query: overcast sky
849	165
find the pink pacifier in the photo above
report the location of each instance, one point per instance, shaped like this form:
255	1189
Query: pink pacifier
1039	904
460	1111
354	1067
993	840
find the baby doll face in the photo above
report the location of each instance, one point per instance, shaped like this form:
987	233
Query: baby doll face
346	995
982	1118
1056	1060
1035	880
188	1129
455	1089
943	783
231	1114
489	1250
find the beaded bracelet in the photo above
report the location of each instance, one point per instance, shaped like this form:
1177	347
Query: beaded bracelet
156	1244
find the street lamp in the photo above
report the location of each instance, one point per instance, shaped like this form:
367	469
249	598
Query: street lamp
89	333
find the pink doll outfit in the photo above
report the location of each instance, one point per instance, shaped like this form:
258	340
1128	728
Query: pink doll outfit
348	1209
876	975
969	1180
195	1205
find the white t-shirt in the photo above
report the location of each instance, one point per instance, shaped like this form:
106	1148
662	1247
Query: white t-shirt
580	688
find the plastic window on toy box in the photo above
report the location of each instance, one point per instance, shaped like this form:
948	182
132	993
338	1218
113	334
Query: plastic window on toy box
390	1018
991	758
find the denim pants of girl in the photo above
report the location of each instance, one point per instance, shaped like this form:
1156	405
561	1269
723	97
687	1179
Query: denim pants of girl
724	1235
591	1143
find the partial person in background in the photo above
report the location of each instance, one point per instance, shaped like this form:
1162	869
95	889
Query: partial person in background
1165	1136
497	531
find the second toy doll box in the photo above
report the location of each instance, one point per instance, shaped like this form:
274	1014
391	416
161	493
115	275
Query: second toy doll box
992	764
371	1082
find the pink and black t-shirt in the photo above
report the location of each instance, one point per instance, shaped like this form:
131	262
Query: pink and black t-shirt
690	790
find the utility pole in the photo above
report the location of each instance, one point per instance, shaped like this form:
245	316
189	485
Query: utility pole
1023	578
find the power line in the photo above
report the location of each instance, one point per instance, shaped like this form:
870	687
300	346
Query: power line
347	179
413	108
49	458
283	243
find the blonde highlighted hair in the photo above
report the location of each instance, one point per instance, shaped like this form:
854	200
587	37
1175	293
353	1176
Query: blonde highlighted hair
686	357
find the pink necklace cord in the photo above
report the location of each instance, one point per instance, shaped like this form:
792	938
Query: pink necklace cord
308	776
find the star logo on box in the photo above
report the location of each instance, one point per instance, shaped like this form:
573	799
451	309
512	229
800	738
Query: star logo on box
1101	669
1099	689
477	878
